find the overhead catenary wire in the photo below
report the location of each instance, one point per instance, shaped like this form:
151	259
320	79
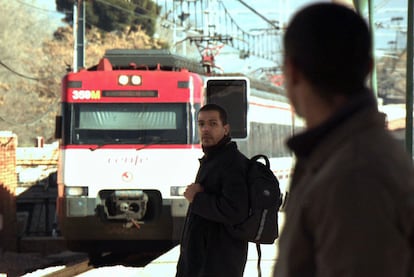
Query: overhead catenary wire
20	74
126	10
272	23
35	7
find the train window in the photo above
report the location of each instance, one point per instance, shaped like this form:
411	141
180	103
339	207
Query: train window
129	123
231	94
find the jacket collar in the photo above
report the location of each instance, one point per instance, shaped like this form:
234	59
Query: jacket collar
304	143
216	149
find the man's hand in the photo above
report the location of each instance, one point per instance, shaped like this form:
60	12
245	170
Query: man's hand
192	190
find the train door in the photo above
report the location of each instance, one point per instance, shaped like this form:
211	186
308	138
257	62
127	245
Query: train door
232	94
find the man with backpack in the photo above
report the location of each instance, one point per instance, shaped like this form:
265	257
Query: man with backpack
350	210
218	199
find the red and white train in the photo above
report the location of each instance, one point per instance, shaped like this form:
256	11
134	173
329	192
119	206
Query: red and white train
129	145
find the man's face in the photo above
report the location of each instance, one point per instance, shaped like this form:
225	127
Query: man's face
210	128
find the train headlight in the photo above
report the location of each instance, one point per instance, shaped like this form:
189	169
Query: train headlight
123	80
136	80
76	191
177	190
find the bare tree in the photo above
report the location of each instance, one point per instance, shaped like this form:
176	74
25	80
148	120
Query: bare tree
28	89
33	61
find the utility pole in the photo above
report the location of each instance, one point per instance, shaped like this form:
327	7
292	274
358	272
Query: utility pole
360	6
409	81
78	34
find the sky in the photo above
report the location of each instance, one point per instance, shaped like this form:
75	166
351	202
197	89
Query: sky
242	14
389	33
384	9
45	8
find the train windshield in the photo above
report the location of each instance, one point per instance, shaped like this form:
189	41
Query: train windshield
128	123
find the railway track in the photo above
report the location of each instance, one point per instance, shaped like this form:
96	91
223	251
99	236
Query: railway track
106	260
72	270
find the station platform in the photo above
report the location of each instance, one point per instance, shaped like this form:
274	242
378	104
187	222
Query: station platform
165	265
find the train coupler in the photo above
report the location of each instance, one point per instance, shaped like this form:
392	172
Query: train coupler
132	222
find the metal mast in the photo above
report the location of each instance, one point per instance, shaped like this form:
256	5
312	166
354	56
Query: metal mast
78	35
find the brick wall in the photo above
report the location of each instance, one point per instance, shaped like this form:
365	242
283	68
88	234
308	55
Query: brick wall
8	184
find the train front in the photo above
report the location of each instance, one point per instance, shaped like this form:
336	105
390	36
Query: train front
128	148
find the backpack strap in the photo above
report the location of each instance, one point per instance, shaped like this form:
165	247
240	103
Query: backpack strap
261	156
259	257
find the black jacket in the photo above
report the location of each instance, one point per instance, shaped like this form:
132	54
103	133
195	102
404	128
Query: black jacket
207	249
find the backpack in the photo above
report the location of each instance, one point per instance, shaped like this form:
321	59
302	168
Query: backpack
261	225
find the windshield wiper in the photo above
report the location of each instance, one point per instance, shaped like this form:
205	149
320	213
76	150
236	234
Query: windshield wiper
97	146
106	142
150	140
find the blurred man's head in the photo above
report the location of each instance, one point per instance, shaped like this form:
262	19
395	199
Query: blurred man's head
212	124
330	45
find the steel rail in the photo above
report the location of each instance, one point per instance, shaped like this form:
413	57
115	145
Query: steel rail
72	270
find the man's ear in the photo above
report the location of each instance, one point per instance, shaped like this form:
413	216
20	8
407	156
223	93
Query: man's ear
290	71
227	129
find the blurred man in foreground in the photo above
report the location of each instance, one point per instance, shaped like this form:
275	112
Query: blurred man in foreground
351	205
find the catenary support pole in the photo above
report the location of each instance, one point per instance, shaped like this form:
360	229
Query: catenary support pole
409	81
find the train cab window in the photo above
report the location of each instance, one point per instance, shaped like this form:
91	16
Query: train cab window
129	123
